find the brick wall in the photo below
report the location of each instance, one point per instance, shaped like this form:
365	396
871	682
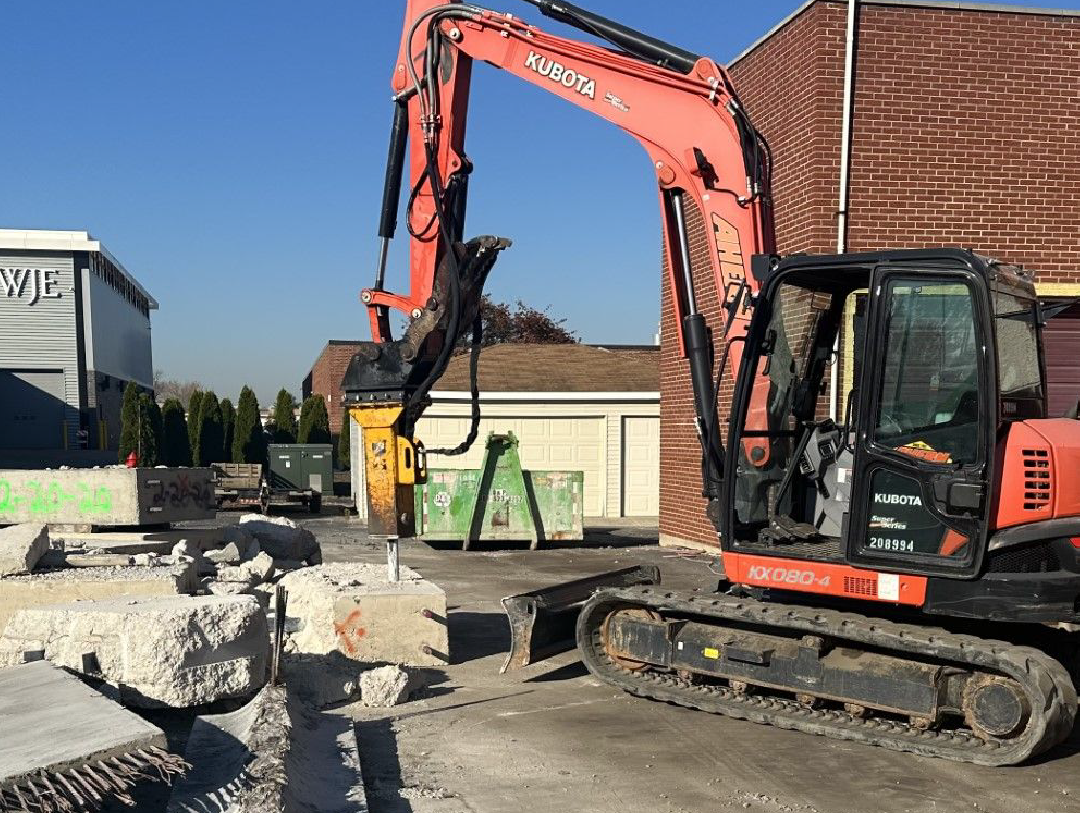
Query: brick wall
325	378
682	508
966	132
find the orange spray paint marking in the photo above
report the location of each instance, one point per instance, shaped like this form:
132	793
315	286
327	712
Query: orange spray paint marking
349	632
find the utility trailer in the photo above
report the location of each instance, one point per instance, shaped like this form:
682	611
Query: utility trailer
240	484
299	473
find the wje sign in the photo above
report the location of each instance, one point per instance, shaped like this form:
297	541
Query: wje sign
29	284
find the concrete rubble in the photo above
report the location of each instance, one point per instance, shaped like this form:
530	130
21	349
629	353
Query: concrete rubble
282	538
385	686
175	652
353	610
228	555
21	546
274	754
178	618
66	747
322	680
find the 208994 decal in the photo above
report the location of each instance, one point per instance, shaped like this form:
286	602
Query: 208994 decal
891	544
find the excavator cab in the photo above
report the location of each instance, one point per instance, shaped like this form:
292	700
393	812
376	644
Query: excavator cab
938	453
901	478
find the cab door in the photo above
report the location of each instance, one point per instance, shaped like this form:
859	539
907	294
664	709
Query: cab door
927	417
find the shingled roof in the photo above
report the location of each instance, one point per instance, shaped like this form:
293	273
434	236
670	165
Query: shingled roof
557	368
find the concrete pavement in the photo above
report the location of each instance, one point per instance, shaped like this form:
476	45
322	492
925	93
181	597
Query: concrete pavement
552	738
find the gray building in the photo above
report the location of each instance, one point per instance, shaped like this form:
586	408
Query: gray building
74	330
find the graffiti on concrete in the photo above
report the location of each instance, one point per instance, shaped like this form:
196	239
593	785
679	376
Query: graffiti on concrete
181	490
42	499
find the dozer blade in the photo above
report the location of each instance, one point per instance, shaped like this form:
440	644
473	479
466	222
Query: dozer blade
542	621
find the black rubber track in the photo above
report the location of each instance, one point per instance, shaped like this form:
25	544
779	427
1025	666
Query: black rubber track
1046	682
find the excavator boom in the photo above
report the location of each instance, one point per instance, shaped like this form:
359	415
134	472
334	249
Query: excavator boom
712	172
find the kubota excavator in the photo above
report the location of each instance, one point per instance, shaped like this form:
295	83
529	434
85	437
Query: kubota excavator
944	503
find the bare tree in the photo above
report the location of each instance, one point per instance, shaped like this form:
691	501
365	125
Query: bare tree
165	388
518	324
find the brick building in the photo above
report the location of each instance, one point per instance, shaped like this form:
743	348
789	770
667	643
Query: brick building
325	376
965	132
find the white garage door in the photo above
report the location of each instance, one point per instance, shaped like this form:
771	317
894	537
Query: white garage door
641	467
545	443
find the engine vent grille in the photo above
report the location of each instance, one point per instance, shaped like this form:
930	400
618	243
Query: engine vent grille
860	586
1036	558
1038	487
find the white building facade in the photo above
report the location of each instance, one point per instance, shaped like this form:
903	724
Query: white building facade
74	330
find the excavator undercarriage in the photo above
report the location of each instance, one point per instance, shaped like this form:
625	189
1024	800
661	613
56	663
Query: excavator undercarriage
901	686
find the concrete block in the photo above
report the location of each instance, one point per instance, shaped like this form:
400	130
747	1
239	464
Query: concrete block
21	546
281	537
61	736
177	651
354	610
105	497
59	587
132	542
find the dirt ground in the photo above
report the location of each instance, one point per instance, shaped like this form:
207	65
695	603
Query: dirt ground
552	738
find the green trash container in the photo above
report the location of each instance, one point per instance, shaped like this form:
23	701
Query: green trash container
501	501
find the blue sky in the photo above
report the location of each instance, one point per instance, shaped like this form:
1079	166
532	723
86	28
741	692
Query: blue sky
230	154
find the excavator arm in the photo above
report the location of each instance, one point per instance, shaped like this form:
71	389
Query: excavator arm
712	173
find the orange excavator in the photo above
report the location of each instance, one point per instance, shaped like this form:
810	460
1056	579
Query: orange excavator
905	575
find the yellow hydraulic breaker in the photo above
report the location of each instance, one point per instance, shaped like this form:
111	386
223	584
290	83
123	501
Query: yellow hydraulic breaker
393	464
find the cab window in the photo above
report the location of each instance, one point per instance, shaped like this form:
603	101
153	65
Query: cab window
1016	323
928	405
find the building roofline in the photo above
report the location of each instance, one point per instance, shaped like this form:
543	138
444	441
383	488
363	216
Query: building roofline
449	396
948	5
61	240
609	346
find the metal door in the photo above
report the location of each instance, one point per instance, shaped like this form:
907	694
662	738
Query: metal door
31	409
926	422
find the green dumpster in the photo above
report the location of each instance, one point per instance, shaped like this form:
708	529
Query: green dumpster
500	501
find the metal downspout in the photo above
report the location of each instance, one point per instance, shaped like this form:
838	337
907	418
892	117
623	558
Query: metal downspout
845	166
